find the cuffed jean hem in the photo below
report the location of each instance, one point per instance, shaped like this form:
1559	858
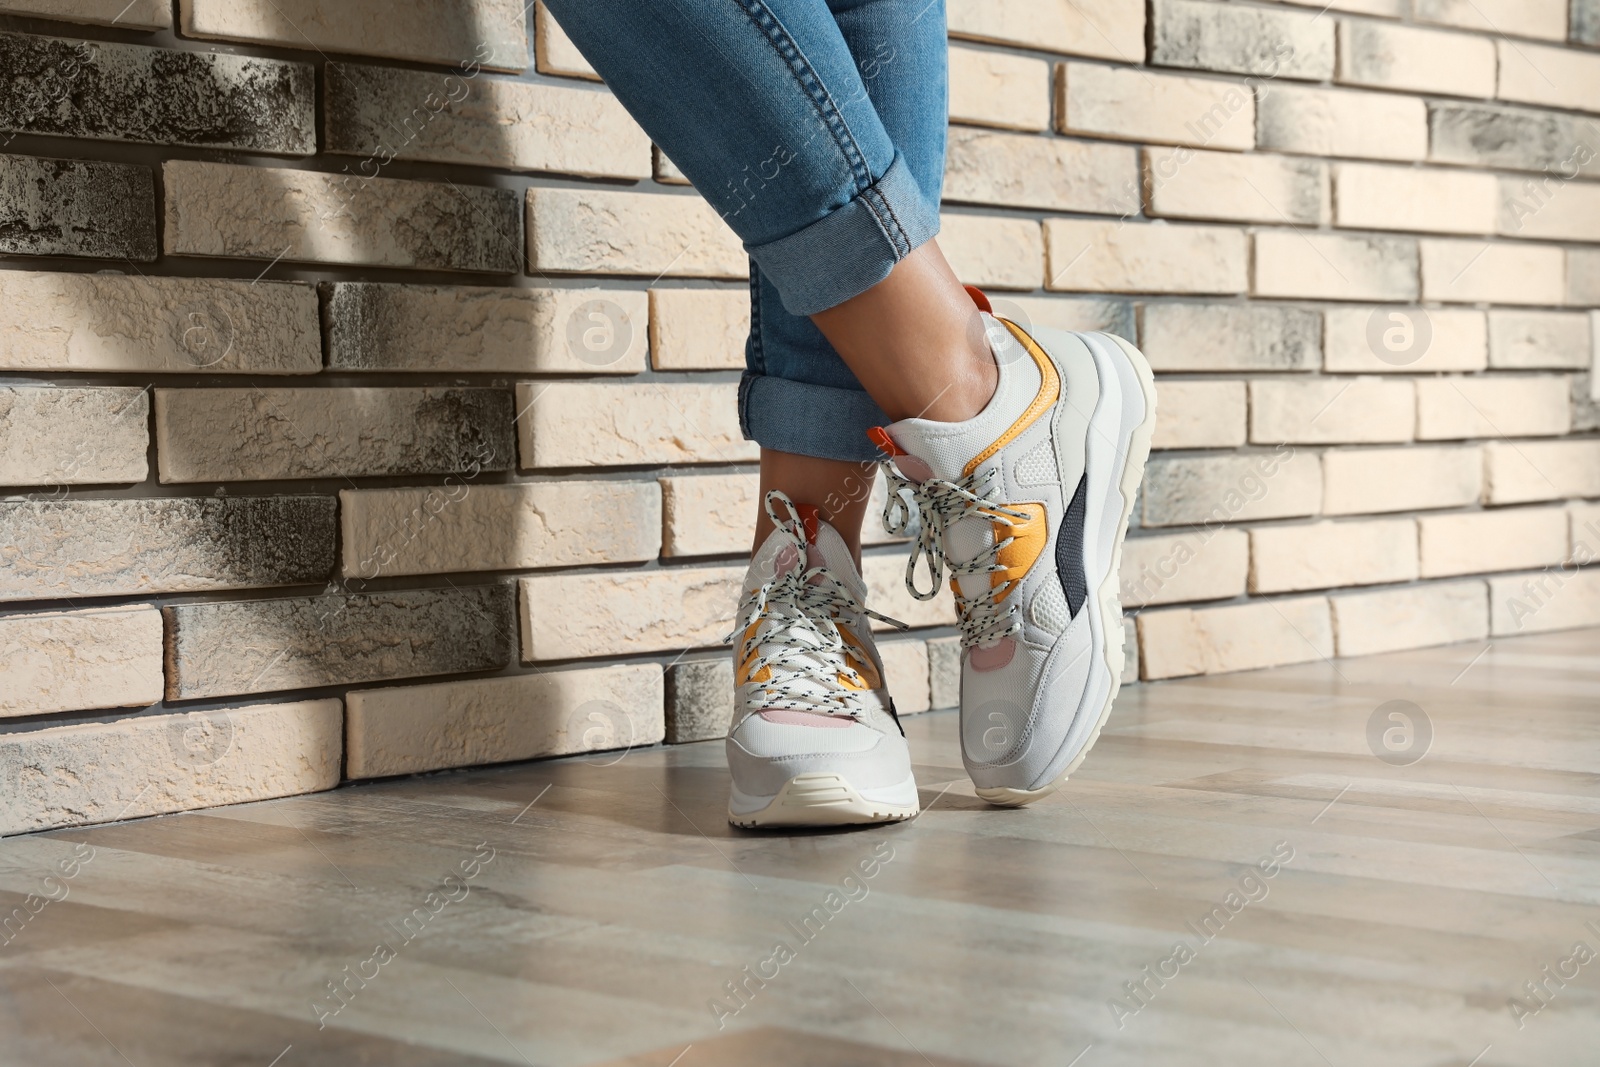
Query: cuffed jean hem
808	420
852	248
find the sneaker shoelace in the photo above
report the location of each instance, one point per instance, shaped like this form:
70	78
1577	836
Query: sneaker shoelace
795	615
938	505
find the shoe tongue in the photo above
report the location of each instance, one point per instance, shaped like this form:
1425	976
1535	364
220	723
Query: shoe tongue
824	548
945	448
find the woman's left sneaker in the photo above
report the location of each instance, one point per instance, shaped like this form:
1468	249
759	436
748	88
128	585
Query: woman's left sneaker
814	740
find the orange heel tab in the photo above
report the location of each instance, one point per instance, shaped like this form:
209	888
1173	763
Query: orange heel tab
979	299
809	517
880	437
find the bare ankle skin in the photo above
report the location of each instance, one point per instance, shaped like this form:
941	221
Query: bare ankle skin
837	489
915	341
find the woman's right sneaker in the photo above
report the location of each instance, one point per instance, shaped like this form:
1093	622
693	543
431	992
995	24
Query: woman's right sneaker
1026	505
814	740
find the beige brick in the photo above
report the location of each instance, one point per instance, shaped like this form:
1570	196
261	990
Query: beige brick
73	436
1499	405
991	252
1241	40
139	15
1554	77
1323	266
1557	598
411	729
1502	539
1109	29
1387	56
1585	530
667	173
1024	170
1325	555
989	88
1331	411
492	33
709	514
1583	276
1532	340
1205	564
554	51
1519	471
373	326
1520	18
461	526
1229	337
383	113
1091	256
1341	122
714	514
112	322
77	660
1411	340
74	546
590	231
885	574
905	671
1243	637
584	424
944	671
1548	208
1090	314
1491	272
156	764
1183	183
1370	480
698	329
221	209
1281	483
315	433
1200	415
1138	105
628	612
1375	197
1389	620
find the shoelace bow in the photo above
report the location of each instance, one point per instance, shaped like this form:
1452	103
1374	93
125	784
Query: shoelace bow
800	616
940	504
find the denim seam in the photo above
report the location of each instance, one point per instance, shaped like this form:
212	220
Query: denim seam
806	76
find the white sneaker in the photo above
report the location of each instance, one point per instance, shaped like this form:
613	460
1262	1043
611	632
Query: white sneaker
1027	505
814	740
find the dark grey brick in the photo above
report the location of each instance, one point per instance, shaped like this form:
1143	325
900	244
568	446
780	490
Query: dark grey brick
262	646
1514	138
127	92
59	548
1201	35
1585	22
315	433
68	207
699	699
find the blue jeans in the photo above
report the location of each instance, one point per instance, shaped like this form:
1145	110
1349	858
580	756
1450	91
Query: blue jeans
816	128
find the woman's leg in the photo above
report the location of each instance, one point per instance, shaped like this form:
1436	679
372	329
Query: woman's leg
816	128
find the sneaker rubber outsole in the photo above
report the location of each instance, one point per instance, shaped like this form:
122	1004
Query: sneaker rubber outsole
819	799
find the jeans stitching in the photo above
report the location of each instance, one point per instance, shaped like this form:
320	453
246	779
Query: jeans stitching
806	77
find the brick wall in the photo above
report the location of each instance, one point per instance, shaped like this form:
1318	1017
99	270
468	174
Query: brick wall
368	379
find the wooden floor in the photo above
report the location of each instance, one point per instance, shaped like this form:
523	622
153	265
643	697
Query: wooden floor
600	908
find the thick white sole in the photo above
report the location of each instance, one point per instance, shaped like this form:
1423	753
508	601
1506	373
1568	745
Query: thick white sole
820	799
1134	450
